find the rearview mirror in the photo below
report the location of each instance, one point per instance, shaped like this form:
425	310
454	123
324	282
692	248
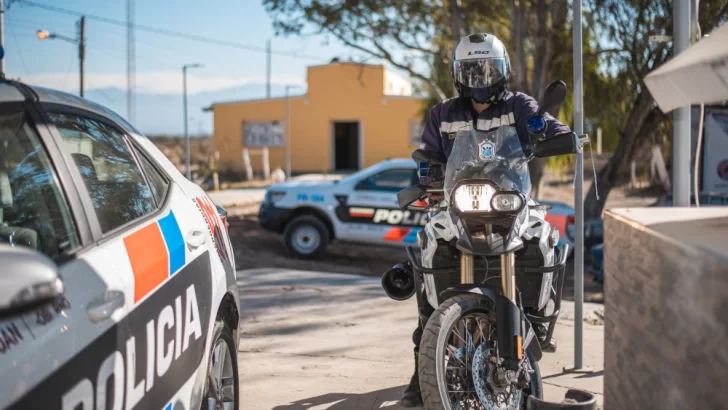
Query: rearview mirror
409	195
28	280
559	145
421	155
553	97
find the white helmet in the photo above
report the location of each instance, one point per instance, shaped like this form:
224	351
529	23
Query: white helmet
481	68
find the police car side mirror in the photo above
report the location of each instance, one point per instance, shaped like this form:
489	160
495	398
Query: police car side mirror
363	185
28	280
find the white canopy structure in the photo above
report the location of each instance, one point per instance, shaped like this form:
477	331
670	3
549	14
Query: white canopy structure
698	74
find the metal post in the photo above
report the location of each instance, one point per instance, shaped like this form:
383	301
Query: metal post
2	38
81	51
681	152
599	140
188	172
130	62
578	193
267	70
288	134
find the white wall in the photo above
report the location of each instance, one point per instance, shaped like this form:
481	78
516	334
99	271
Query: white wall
396	85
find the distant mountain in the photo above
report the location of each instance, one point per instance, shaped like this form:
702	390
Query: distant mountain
161	114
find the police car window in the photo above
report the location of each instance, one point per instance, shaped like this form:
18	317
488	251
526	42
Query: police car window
157	181
393	180
33	212
112	177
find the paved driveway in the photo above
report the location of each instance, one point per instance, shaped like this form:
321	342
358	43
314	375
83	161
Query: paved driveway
326	341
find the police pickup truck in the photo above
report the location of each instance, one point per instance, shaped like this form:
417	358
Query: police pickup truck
360	208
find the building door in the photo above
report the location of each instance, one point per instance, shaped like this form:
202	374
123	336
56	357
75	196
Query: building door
346	146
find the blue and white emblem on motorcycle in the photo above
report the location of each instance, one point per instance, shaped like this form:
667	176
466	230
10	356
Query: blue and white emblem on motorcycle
485	150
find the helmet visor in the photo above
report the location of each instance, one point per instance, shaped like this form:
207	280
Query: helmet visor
480	73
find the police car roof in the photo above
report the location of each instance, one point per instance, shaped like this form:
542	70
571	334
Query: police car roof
14	91
399	162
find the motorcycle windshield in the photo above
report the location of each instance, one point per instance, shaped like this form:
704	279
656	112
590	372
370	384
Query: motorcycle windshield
496	155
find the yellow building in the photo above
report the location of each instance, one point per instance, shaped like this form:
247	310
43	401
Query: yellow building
352	116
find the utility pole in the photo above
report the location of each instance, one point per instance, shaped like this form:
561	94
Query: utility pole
578	193
130	63
79	41
188	171
599	140
2	38
288	134
267	70
81	51
681	34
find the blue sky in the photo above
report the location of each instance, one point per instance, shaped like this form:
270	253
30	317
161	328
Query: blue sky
159	58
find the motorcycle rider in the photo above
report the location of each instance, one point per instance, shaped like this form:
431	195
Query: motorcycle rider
481	70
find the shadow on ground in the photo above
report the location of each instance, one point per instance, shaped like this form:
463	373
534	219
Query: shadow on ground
256	248
387	398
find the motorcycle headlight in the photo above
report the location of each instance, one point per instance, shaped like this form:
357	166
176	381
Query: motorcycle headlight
474	198
506	202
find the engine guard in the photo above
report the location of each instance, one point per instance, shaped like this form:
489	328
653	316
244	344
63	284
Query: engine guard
507	309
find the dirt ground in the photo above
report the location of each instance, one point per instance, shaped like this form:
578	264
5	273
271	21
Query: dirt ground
257	248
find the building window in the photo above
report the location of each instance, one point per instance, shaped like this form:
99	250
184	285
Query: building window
262	134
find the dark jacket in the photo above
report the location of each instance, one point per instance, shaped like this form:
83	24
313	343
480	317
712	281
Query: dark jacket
447	117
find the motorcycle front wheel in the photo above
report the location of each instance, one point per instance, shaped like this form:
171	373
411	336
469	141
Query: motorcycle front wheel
458	365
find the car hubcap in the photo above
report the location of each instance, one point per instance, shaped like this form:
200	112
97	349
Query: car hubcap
221	385
306	239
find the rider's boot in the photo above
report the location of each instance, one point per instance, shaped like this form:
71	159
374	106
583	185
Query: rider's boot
541	331
412	396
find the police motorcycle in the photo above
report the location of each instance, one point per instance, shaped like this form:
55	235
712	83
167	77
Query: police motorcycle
502	266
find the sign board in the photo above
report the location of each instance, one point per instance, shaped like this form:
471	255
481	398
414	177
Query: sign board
262	134
416	130
715	153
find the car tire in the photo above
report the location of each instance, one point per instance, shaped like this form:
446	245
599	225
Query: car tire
222	346
306	237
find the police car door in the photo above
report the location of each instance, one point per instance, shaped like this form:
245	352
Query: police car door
374	214
137	344
44	352
158	240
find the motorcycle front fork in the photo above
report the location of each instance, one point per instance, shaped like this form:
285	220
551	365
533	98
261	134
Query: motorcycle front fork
508	273
508	283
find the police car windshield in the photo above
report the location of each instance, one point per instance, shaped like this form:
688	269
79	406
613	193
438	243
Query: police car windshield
496	155
355	175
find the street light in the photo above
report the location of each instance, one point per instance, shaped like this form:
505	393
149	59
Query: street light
80	40
288	131
188	172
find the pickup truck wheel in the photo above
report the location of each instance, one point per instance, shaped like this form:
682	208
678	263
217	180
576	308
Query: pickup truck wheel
306	237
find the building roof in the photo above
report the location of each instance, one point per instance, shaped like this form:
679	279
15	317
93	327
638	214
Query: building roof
696	75
251	100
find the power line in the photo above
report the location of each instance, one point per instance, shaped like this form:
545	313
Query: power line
20	50
170	33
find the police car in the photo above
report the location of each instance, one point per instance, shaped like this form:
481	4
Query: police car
117	277
360	208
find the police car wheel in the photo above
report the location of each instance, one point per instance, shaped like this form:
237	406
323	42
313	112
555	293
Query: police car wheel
306	237
221	391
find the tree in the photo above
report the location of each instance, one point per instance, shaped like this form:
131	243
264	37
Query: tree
629	24
381	28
